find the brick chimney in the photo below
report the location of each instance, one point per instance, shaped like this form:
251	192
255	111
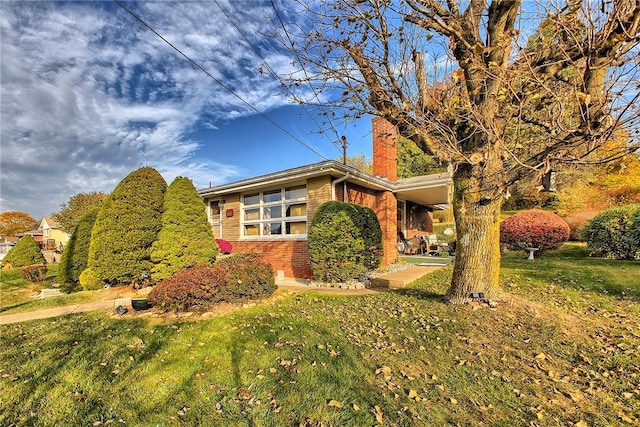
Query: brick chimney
385	149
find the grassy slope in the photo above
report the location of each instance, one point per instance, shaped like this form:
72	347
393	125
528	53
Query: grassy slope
562	348
17	295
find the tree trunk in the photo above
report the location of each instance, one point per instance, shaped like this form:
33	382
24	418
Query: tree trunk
476	208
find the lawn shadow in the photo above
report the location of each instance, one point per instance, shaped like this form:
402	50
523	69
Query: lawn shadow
421	294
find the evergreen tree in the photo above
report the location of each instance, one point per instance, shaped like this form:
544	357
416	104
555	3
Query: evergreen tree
75	256
186	239
127	225
25	252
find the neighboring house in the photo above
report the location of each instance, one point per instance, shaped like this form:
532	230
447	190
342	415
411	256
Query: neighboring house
270	214
53	238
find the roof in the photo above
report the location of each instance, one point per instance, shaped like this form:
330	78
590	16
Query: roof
410	189
52	223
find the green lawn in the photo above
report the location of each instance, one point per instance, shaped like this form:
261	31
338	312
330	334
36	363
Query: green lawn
17	295
562	348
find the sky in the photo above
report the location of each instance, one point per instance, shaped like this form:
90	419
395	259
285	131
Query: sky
88	94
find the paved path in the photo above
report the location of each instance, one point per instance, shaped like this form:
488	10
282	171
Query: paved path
56	311
394	280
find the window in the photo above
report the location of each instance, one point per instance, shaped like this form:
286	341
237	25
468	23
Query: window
276	213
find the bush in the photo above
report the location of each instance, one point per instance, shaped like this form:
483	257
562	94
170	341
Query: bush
615	233
25	252
237	278
76	253
224	246
193	288
345	241
246	277
534	229
127	225
186	239
90	281
35	273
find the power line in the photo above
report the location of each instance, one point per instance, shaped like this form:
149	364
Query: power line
304	70
228	89
273	73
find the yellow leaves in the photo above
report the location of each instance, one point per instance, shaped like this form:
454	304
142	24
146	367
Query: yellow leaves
335	404
378	413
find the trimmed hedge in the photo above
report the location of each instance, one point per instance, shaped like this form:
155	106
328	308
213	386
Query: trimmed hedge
186	239
237	278
615	233
127	225
345	241
534	228
246	277
75	256
25	252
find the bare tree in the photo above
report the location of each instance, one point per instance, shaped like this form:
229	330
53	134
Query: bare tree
497	90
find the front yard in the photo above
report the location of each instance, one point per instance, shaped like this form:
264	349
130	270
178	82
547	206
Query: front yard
562	348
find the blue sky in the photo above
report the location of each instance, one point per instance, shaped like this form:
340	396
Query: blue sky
88	94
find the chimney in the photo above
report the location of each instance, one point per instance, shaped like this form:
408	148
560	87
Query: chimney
385	149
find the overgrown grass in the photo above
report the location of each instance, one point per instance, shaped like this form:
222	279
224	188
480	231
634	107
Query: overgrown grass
391	358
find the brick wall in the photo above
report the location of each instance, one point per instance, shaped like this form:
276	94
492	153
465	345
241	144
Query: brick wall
385	149
290	256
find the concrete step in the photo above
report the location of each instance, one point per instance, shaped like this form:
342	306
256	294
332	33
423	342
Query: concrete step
401	279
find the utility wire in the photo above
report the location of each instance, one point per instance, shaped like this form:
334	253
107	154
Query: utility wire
304	70
227	88
274	74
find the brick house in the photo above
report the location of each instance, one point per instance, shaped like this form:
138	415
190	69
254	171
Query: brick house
270	214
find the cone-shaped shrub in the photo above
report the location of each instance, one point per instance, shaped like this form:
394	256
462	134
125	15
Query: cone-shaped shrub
76	253
127	225
25	252
345	241
186	239
615	233
534	228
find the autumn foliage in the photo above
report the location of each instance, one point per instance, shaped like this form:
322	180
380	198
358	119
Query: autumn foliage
237	278
534	229
12	223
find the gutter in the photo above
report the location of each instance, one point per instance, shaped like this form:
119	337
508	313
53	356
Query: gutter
338	181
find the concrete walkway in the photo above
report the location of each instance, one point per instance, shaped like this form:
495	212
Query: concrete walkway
400	279
55	312
395	280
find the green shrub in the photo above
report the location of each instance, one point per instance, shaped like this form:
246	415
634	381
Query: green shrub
34	273
186	239
75	256
345	241
127	225
246	277
534	229
615	233
25	252
237	278
90	281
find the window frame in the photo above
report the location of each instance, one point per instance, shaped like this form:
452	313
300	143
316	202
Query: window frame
264	224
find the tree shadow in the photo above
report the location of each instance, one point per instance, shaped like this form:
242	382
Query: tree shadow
421	294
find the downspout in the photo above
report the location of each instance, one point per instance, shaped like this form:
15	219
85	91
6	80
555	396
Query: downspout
338	181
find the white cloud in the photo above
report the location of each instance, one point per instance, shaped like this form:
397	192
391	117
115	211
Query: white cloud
89	95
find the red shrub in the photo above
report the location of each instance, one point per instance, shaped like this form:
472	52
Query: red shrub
193	288
239	277
34	273
225	246
534	229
